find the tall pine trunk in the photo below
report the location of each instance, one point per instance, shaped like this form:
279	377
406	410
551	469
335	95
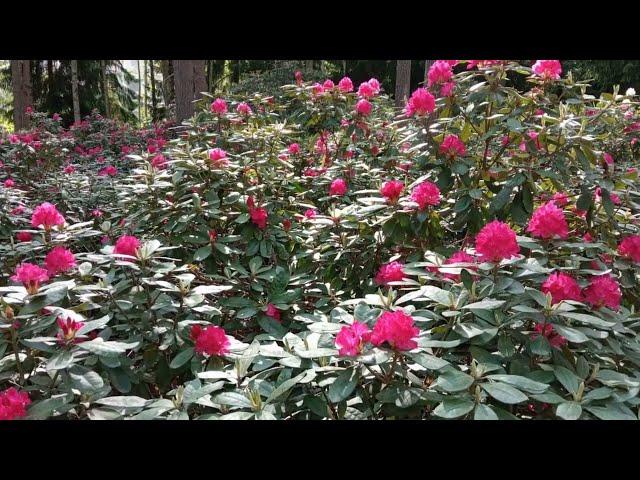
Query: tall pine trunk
74	91
183	82
22	92
168	83
403	81
139	95
427	66
154	102
199	78
105	89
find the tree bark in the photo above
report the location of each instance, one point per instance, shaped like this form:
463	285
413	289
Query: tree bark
199	78
427	66
403	81
183	81
74	91
22	92
105	89
168	90
139	95
154	102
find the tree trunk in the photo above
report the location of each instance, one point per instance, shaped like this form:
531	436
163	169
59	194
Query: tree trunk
22	93
139	95
199	78
145	101
154	102
49	78
105	89
427	66
168	84
183	76
403	81
74	91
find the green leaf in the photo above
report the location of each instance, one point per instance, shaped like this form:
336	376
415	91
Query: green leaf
233	399
523	383
453	408
45	408
123	402
181	358
60	361
612	412
484	412
342	387
453	380
202	253
567	378
569	410
284	387
504	393
428	361
107	349
486	304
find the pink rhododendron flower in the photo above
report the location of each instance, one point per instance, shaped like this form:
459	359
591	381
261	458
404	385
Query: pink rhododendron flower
328	85
97	213
425	194
615	199
311	172
294	149
19	210
56	117
24	236
338	187
603	290
46	215
547	69
440	72
363	107
317	89
68	330
69	169
452	146
365	90
259	217
392	190
298	77
496	241
345	85
310	213
561	287
286	224
390	272
548	221
351	339
59	260
587	237
546	330
218	157
13	404
396	329
30	276
9	183
420	104
459	257
273	312
561	199
447	89
608	158
211	340
243	108
483	63
213	236
159	162
127	245
219	106
630	247
110	171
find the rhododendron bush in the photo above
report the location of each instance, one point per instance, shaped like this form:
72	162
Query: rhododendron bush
319	254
